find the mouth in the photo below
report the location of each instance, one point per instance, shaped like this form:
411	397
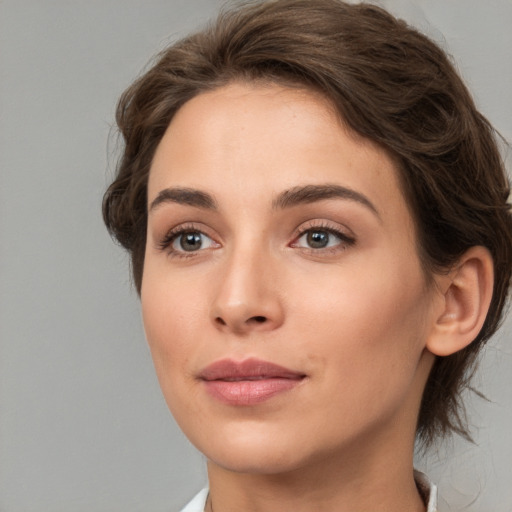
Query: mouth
248	382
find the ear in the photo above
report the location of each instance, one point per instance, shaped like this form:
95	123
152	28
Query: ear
465	295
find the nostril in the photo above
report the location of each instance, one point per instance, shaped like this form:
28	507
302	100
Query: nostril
234	323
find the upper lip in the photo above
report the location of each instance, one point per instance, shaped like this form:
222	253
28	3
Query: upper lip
249	369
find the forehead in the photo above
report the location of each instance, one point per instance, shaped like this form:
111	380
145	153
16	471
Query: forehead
257	140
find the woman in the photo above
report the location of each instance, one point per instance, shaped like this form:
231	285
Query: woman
318	224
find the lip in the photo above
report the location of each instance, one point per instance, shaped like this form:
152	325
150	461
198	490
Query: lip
248	382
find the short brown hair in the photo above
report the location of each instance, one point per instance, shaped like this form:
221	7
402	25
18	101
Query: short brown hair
390	84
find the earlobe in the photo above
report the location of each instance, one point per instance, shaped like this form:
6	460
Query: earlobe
466	294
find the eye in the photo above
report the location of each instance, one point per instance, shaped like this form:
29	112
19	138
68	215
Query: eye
190	241
317	238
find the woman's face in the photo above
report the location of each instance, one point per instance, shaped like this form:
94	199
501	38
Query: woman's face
283	298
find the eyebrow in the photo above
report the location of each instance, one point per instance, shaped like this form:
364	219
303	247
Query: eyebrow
185	196
289	198
313	193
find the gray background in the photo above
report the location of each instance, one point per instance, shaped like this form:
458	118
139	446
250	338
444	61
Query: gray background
83	426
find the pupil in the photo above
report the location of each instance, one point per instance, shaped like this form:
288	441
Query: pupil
318	239
190	241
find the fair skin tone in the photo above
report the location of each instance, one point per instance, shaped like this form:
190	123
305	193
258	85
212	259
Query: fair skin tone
276	234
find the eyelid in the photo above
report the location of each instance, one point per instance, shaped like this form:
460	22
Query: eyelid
325	225
346	236
165	242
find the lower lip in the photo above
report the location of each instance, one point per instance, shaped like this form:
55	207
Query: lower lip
249	392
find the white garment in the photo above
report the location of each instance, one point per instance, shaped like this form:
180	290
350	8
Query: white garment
427	489
198	503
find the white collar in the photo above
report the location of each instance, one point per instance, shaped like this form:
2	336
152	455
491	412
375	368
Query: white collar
427	489
198	503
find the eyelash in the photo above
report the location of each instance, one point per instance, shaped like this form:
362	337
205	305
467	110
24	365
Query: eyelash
345	240
165	244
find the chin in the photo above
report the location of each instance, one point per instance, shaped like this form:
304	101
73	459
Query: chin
256	462
254	451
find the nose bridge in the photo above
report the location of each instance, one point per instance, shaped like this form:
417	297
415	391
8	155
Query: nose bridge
247	296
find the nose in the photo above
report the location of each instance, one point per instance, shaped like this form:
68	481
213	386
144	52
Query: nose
247	297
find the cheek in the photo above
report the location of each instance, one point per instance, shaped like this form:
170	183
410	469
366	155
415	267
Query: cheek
368	324
172	316
171	319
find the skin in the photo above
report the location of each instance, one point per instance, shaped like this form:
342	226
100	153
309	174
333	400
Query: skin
354	317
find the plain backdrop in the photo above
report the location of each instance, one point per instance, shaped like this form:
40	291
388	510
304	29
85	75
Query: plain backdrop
83	426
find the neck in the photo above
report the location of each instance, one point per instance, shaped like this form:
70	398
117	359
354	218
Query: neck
351	483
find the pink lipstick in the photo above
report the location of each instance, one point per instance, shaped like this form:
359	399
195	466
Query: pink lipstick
247	382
